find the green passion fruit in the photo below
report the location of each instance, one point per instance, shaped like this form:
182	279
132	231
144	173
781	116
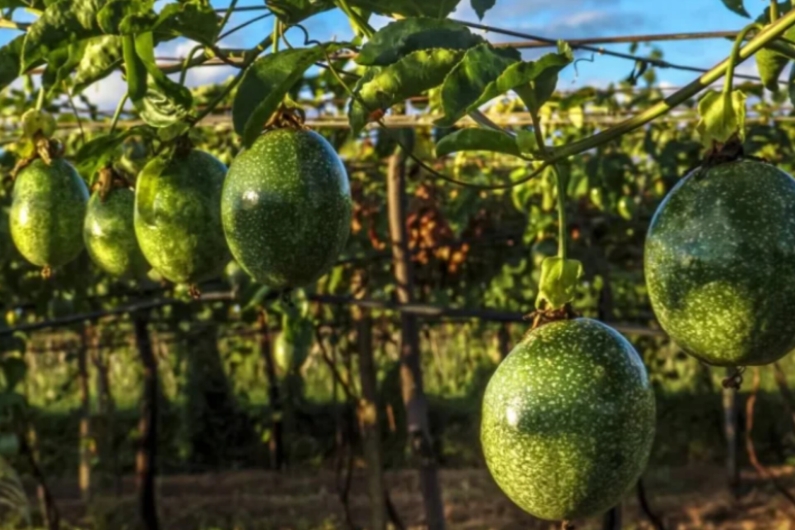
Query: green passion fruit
720	263
568	420
109	235
47	210
178	217
287	207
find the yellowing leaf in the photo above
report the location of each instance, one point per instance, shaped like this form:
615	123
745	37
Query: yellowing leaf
559	279
722	116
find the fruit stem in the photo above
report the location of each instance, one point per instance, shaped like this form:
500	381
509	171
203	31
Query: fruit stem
228	14
735	56
539	133
773	10
563	243
186	63
40	99
117	114
277	25
358	22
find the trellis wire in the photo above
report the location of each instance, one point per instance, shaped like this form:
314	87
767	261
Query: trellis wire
427	311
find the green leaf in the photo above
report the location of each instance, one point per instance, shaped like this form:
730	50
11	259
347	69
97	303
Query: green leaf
100	151
411	76
13	4
112	14
145	49
477	139
526	142
473	80
161	102
14	370
194	19
408	8
102	56
136	23
402	37
9	401
9	444
543	85
737	6
485	74
481	6
266	83
62	23
771	62
159	110
722	116
10	61
771	65
173	131
60	65
135	70
255	301
294	11
559	279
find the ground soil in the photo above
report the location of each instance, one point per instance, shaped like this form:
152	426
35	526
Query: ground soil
693	498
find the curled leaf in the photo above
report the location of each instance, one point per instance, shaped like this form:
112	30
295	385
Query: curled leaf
411	76
63	22
486	73
102	55
477	139
402	37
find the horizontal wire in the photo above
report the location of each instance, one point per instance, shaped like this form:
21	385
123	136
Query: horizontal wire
660	63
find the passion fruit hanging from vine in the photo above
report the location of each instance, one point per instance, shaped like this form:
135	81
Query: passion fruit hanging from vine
287	207
720	263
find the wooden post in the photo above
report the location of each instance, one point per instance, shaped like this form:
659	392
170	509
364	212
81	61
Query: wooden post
275	444
783	388
612	519
84	441
104	423
730	431
369	419
605	308
504	340
413	393
28	449
146	459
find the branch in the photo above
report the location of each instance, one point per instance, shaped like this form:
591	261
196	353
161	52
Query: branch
96	315
10	24
646	508
431	311
786	394
251	56
757	43
749	443
337	377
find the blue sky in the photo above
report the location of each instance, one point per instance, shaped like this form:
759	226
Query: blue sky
549	18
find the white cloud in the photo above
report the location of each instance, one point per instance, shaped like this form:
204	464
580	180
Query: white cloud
105	94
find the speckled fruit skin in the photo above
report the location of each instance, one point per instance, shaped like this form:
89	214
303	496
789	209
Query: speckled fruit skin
47	210
178	218
287	208
568	420
720	264
109	235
